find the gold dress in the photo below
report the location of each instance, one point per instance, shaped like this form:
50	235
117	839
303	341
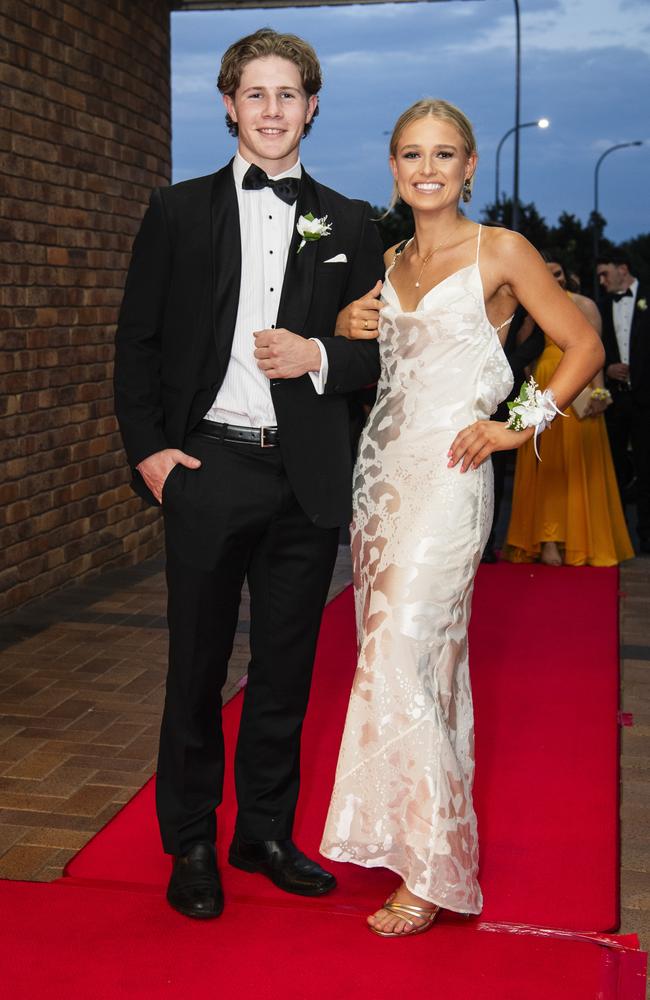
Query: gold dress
569	497
403	792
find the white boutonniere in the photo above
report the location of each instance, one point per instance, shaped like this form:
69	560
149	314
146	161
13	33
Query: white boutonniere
311	228
642	305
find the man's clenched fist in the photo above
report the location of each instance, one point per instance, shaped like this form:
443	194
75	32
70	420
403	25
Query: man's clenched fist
282	354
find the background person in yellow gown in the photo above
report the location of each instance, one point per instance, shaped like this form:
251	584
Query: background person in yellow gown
566	508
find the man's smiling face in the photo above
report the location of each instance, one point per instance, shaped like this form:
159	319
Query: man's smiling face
271	109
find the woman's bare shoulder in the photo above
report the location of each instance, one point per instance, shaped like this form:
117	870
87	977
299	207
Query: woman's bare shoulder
504	241
588	307
509	255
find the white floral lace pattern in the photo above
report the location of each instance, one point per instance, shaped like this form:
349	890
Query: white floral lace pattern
403	792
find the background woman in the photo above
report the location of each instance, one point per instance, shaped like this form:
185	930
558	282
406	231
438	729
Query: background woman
566	508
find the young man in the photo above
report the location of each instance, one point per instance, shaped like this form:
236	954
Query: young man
626	338
229	390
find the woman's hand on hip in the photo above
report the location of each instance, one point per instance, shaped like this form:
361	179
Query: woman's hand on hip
475	443
360	319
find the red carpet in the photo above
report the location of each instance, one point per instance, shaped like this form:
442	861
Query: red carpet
544	654
71	943
544	661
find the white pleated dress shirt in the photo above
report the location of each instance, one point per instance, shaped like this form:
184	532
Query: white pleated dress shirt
622	313
266	226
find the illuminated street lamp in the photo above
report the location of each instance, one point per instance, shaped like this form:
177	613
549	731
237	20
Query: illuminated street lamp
540	123
619	145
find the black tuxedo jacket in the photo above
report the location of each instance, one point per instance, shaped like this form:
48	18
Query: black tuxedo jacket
639	346
177	321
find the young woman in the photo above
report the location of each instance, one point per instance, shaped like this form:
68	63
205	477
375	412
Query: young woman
422	512
567	508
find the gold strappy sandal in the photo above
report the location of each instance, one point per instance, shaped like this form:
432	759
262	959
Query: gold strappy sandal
406	911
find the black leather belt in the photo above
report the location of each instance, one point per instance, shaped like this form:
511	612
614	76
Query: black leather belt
263	437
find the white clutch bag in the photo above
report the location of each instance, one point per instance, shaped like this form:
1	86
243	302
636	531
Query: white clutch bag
582	402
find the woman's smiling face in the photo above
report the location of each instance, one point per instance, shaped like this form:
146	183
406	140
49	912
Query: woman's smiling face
431	164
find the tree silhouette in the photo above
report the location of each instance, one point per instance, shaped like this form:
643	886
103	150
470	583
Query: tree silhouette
638	250
532	225
394	226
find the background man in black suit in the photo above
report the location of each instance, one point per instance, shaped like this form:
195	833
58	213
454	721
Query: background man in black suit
626	338
236	421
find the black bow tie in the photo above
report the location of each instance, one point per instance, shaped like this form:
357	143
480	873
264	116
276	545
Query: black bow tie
622	295
286	188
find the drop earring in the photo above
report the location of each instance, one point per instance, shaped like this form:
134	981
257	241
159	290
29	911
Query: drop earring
467	191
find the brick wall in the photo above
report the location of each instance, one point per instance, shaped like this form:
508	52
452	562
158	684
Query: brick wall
84	136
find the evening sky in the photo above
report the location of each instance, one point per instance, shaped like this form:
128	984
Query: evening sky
585	66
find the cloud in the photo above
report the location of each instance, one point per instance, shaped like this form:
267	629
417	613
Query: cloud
357	59
194	74
570	26
378	60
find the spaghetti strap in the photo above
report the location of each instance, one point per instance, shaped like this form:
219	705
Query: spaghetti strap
478	247
497	328
398	250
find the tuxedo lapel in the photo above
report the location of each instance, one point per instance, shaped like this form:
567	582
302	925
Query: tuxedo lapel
609	334
226	261
299	273
636	327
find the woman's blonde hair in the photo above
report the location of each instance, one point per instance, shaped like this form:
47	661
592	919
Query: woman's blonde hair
431	107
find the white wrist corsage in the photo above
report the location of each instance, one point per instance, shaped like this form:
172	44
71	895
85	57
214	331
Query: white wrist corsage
532	408
311	228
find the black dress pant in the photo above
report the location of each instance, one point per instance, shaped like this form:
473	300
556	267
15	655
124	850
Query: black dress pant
234	518
628	424
500	461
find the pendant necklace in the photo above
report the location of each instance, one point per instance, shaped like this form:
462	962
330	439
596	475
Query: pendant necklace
428	257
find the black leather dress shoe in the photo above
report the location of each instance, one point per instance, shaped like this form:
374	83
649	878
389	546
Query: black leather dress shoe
195	887
284	864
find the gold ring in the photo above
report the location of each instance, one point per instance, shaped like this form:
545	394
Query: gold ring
365	324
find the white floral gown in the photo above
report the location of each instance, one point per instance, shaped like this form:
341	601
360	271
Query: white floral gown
402	797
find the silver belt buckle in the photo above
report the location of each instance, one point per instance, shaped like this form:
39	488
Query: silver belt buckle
263	443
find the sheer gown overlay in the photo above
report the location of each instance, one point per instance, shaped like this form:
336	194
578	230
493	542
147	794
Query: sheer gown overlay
402	797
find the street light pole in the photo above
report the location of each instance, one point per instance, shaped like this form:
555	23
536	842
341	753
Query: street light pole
596	235
540	123
515	186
